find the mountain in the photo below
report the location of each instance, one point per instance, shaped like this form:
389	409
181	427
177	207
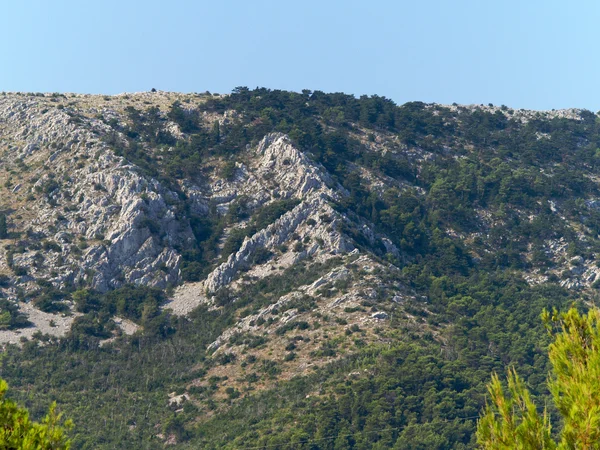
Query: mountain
270	269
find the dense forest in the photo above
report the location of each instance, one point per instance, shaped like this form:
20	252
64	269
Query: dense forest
470	204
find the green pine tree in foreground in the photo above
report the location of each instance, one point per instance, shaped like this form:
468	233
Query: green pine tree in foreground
17	431
512	420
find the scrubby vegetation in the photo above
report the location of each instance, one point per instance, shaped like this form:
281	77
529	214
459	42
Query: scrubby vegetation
423	393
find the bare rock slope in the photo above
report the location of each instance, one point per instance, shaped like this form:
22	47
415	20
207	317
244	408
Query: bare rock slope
79	215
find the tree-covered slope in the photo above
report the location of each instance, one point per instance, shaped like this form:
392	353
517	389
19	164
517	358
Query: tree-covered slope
270	269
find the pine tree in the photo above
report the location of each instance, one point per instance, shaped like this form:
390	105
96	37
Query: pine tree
215	133
512	421
3	227
17	431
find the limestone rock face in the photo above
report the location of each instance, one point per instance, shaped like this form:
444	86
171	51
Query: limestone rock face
278	234
111	225
285	172
290	170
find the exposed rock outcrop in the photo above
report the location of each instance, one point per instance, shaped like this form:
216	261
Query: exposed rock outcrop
110	224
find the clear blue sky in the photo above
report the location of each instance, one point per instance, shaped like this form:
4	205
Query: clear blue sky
529	53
